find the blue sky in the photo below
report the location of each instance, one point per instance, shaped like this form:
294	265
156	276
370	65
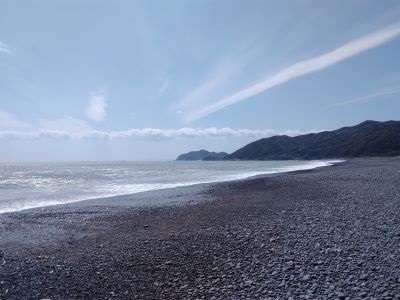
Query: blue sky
148	80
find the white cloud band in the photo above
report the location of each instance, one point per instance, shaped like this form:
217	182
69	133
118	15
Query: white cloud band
145	133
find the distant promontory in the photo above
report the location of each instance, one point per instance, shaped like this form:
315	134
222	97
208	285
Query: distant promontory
202	155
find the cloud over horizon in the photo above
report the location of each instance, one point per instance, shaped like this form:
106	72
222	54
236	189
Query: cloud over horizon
146	133
76	129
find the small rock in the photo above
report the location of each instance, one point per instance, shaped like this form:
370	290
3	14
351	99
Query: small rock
306	277
363	276
290	265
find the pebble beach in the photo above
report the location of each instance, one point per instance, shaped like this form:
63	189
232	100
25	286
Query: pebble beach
327	233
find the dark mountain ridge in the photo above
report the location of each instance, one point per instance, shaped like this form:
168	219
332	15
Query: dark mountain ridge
370	138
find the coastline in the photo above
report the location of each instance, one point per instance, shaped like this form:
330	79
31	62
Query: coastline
253	238
130	199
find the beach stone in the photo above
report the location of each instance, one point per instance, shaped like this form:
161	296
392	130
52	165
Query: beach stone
306	277
363	276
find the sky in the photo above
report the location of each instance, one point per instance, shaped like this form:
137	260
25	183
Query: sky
149	80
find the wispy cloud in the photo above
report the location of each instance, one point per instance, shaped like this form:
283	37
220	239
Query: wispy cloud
8	121
66	124
146	133
382	94
215	80
163	87
96	109
5	48
224	73
302	68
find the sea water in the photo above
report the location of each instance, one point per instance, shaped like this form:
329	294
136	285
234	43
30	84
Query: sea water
29	185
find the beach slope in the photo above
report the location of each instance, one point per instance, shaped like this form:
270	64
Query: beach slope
327	233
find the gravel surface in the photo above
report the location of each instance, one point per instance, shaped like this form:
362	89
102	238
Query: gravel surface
329	233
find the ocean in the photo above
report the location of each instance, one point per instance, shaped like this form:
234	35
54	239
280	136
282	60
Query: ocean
29	185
